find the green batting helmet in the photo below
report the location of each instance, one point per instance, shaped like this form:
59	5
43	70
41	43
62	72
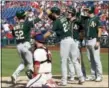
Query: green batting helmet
20	14
91	9
55	10
71	10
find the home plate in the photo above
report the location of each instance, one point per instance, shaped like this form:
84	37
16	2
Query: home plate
22	81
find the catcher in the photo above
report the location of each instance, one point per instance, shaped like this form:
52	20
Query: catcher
42	76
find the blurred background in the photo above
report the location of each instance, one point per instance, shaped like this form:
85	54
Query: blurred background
8	10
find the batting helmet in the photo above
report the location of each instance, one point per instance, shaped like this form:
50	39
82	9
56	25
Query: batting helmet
55	10
71	10
20	14
91	9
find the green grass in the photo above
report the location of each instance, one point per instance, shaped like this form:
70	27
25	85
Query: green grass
10	61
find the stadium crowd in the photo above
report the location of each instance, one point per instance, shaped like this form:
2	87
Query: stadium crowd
101	10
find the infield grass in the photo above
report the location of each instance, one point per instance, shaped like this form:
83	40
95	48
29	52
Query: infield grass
11	59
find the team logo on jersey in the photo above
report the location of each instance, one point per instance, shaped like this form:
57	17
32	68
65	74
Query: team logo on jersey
93	24
75	27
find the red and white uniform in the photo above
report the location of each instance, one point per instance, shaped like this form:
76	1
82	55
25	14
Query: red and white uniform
44	76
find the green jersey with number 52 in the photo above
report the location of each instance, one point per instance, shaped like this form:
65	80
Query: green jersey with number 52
62	27
21	31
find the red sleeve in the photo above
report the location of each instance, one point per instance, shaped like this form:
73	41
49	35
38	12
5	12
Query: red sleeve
36	66
37	63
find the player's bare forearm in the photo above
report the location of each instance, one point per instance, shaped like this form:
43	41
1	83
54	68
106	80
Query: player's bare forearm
47	34
99	31
98	37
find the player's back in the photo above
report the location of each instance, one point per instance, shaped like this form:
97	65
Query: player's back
61	27
22	31
18	33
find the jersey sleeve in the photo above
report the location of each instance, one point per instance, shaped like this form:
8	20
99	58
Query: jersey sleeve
57	27
39	55
54	28
31	23
37	20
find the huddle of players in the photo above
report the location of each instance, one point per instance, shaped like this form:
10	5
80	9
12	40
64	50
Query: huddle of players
22	33
88	27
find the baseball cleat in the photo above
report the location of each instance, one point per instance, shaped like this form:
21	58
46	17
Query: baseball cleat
98	79
62	84
81	80
71	79
91	78
13	80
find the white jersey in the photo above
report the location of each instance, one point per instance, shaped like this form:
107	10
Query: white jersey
43	79
41	55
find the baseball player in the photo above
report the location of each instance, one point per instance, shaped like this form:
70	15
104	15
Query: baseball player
42	76
21	31
93	34
76	28
68	46
71	69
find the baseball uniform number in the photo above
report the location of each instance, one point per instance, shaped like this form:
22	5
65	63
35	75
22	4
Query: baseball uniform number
65	26
19	34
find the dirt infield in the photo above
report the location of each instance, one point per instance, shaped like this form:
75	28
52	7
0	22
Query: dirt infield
6	82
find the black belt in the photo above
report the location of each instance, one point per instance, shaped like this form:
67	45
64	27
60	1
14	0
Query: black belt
66	37
21	41
89	38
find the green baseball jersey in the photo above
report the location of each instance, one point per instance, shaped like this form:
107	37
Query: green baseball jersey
84	21
22	30
61	27
92	27
76	28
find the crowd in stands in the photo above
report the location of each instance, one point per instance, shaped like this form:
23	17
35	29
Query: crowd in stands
11	4
101	10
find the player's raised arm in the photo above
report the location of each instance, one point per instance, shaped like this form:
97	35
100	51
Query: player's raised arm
37	7
47	34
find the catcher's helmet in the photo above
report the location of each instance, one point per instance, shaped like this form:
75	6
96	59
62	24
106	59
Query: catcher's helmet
20	14
71	10
55	10
39	37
